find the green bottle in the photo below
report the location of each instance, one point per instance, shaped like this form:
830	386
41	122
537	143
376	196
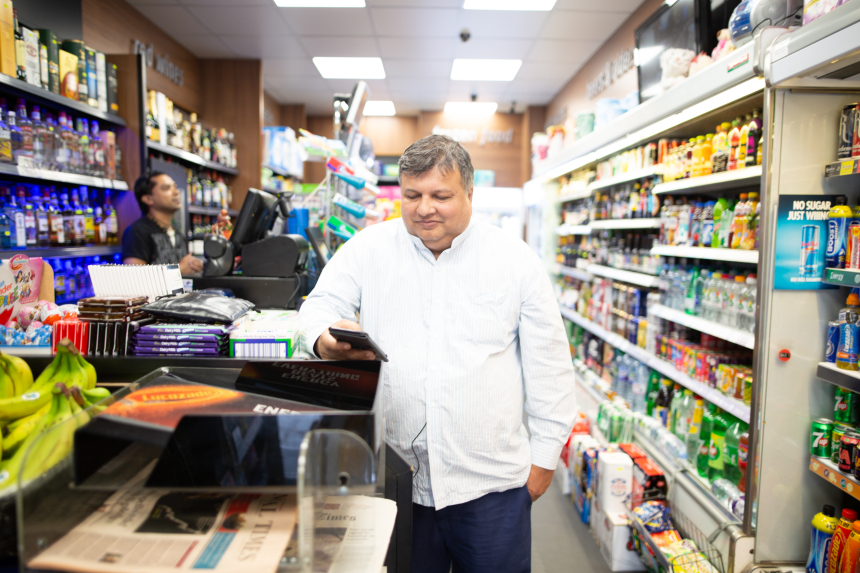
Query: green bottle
721	205
674	407
684	415
705	440
651	392
716	467
730	454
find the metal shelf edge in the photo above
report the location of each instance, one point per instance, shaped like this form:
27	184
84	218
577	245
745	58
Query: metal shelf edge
745	339
712	183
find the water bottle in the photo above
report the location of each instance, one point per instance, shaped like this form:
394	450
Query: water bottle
638	387
750	306
620	383
672	445
728	495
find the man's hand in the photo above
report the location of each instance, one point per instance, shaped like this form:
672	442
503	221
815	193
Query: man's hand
190	264
327	348
538	482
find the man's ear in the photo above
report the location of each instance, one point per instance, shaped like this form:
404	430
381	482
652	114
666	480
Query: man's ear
469	193
147	199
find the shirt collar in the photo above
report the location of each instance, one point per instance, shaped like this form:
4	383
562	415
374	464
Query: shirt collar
458	240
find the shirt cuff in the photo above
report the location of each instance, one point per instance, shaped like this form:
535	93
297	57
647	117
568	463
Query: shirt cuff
310	336
545	455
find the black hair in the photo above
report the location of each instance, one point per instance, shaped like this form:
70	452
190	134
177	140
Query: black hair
144	186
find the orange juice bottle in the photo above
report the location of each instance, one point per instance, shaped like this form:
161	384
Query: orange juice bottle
696	169
707	152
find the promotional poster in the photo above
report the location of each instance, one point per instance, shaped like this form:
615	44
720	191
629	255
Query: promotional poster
802	242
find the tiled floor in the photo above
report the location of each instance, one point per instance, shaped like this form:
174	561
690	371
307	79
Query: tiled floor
560	541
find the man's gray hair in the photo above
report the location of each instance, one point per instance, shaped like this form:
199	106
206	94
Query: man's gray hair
438	151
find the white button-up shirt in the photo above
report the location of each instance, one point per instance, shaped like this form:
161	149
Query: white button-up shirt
469	337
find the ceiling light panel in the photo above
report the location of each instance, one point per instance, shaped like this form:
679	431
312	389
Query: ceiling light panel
350	68
379	108
522	5
471	108
485	70
320	3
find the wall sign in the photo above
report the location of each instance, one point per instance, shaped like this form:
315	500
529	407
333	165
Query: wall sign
611	72
163	65
801	241
482	137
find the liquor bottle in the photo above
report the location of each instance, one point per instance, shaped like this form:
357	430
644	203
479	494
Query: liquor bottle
98	150
16	220
99	224
79	231
234	158
207	146
20	49
83	129
153	130
207	191
71	287
89	216
40	134
43	236
26	127
5	230
55	219
68	218
29	217
111	221
216	194
62	145
5	141
50	142
196	136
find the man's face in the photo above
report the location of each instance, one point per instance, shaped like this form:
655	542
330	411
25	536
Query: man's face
165	196
435	207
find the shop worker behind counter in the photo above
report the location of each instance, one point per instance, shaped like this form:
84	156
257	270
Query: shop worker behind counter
469	321
152	240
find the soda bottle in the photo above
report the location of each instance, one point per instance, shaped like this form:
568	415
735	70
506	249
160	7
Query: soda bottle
726	216
823	526
717	445
702	458
840	539
750	223
848	349
674	406
707	224
730	454
693	294
663	402
684	417
742	145
734	142
651	392
694	433
743	457
737	224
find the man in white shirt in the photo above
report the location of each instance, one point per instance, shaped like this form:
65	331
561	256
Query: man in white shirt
468	319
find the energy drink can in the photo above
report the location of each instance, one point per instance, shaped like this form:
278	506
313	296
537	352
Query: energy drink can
822	430
832	341
846	131
846	407
848	451
835	440
809	242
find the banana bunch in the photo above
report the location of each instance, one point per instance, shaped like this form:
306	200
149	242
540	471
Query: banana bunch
61	393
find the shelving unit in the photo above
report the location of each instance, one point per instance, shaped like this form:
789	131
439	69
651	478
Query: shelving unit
745	339
189	157
707	253
580	194
739	178
842	168
826	469
33	351
621	179
626	224
848	379
631	277
64	252
7	170
47	97
565	230
712	395
282	172
572	272
211	211
842	277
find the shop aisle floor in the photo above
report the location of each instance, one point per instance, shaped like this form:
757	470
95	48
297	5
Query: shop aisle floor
560	541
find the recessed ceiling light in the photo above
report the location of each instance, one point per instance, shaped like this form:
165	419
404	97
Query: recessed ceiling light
350	68
531	5
471	108
320	3
379	108
485	70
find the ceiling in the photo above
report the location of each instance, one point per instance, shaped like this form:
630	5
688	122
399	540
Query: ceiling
416	39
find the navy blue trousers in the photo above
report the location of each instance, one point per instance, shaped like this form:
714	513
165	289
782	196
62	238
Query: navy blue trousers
491	534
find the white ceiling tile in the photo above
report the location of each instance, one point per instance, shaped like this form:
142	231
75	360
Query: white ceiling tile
247	20
259	47
504	23
277	67
494	49
327	21
418	48
587	25
416	68
317	84
627	6
419	85
206	46
552	85
377	87
563	51
175	20
335	47
545	71
416	22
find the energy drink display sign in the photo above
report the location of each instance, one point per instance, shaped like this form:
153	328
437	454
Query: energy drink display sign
802	242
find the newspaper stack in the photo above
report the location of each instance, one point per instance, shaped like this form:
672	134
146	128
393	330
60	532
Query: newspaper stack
205	340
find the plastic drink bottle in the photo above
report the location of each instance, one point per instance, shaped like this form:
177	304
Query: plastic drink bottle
750	224
823	526
726	225
837	233
704	447
852	549
737	222
848	349
730	453
743	457
840	539
707	232
662	402
692	300
717	445
694	433
651	392
677	396
720	206
684	416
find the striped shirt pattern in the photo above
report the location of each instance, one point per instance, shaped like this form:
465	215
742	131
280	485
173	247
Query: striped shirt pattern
470	337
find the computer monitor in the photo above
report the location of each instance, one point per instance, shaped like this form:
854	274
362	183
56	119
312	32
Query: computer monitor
256	217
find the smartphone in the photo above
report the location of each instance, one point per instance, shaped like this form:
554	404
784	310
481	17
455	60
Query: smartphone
358	340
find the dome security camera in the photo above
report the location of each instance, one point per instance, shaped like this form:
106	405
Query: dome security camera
465	35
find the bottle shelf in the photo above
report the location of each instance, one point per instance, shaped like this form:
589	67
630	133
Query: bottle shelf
706	253
842	277
28	350
712	395
745	339
282	172
631	277
572	272
842	168
848	379
626	224
64	252
565	230
574	196
46	97
591	382
189	157
746	177
211	211
620	179
22	172
826	469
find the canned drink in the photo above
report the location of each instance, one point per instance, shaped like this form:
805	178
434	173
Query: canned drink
832	341
839	430
846	407
852	254
849	346
809	244
748	384
846	131
616	424
822	430
848	451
